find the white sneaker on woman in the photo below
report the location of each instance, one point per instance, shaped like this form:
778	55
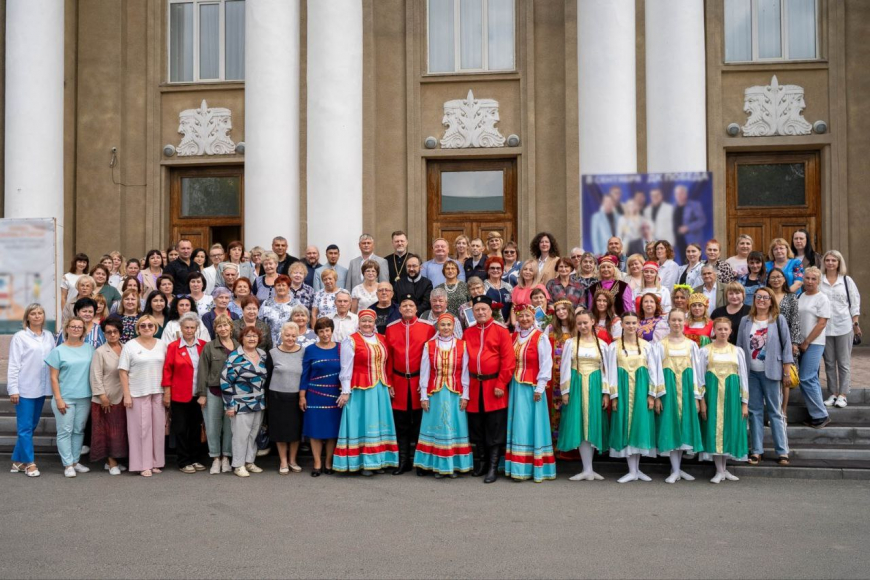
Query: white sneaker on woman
115	470
69	471
841	402
829	402
225	465
81	468
215	466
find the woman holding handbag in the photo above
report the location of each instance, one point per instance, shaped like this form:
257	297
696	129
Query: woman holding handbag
766	340
842	330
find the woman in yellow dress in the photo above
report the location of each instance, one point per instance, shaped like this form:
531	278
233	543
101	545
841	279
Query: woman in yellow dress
726	385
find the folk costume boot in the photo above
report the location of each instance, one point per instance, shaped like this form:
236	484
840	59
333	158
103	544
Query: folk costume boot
494	455
480	460
404	458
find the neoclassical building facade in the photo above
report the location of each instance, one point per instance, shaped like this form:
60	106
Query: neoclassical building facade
135	122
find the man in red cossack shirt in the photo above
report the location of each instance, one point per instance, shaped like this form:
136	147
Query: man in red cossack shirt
405	339
491	364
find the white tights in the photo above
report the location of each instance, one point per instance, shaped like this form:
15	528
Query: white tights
587	474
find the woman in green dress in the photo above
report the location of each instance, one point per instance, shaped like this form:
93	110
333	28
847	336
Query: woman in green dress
585	395
680	396
631	364
726	386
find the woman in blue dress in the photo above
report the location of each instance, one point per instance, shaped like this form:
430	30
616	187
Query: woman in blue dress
781	257
318	394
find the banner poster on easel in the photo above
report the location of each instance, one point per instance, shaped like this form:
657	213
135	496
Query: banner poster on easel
642	207
28	270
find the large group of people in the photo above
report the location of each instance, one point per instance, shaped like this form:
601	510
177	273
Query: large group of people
474	361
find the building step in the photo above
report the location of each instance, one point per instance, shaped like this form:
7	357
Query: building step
857	413
41	443
856	396
852	453
834	434
7	408
47	425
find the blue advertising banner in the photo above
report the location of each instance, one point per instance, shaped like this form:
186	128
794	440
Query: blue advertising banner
642	207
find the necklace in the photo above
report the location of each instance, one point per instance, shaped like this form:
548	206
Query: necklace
449	289
396	266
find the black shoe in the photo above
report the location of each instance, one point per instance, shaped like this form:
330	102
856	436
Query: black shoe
492	474
437	476
818	424
454	475
404	467
367	473
480	458
421	472
328	471
381	471
317	472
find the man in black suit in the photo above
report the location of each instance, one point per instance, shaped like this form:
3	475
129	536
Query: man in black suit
638	246
414	283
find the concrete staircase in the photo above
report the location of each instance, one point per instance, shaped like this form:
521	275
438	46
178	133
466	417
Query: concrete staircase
839	451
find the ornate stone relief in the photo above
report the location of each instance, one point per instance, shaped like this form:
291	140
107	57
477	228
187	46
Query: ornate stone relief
775	110
471	122
206	131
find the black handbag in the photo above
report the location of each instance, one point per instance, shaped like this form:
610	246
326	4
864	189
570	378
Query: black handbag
856	340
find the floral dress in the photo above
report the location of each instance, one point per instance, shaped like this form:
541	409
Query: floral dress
275	314
324	302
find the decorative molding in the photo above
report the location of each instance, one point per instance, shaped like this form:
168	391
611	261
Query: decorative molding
205	131
471	122
775	110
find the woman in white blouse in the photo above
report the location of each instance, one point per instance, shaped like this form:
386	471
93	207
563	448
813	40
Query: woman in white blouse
141	371
27	384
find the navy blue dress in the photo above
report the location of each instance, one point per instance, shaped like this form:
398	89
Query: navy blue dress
320	369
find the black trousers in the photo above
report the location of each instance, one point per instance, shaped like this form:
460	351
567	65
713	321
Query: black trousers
186	426
488	429
407	428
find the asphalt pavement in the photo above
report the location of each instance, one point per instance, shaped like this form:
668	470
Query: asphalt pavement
176	525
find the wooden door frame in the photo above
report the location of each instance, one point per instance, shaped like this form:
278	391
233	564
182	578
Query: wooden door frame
813	194
434	168
177	222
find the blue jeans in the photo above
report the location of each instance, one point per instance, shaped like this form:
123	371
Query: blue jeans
71	428
766	392
27	413
811	388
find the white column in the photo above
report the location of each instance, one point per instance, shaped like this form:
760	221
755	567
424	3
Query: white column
606	79
34	110
675	86
272	30
334	146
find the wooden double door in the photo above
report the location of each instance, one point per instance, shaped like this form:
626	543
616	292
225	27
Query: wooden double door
472	198
771	195
207	205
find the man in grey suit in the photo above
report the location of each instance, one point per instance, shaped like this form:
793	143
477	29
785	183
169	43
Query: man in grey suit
714	291
367	251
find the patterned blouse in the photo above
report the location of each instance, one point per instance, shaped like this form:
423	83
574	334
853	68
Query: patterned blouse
129	328
304	296
242	383
789	310
275	314
586	283
457	296
575	291
324	302
725	272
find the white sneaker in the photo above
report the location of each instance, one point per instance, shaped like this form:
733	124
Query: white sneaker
829	402
225	465
85	449
253	468
215	466
841	402
263	452
107	467
115	470
69	471
241	472
81	468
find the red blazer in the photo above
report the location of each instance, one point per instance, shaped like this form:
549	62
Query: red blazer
405	343
178	371
490	352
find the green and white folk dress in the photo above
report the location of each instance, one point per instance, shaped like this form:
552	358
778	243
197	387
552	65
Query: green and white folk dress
678	385
632	424
726	385
583	378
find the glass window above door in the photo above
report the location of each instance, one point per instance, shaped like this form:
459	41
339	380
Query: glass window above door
470	35
766	30
210	196
773	184
472	191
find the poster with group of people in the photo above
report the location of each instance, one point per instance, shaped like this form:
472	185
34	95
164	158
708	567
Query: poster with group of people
642	207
